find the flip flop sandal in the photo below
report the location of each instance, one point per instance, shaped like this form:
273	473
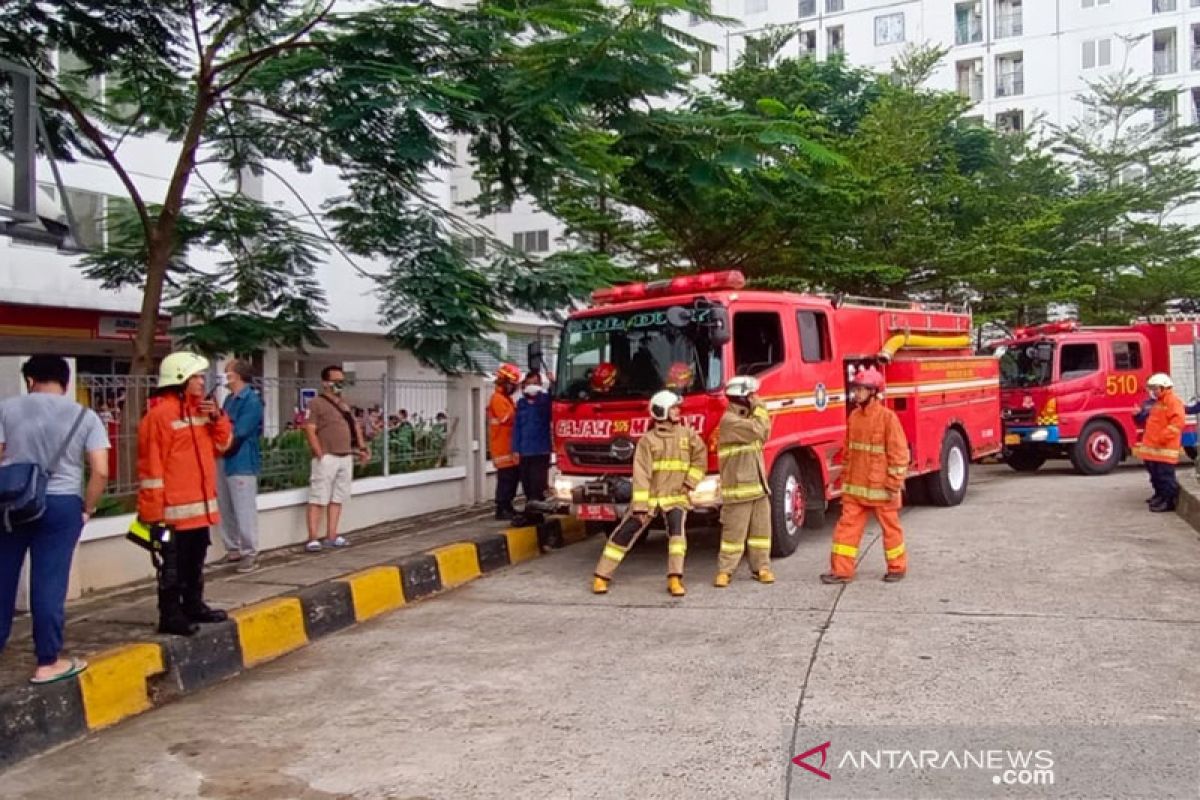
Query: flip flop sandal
77	666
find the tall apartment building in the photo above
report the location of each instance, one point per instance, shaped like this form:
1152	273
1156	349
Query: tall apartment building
1019	61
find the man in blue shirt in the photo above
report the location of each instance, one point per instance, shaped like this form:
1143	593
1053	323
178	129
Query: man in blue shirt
531	439
237	480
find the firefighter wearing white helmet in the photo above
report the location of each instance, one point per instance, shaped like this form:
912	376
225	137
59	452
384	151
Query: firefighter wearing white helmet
667	465
1161	441
745	494
179	440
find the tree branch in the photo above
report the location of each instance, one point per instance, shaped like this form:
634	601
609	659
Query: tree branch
256	57
96	136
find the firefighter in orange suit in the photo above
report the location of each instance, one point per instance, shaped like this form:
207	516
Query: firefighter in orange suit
179	440
668	464
875	467
502	416
1161	440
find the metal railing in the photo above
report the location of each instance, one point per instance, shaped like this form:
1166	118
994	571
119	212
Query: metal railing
1009	25
1010	84
971	86
405	422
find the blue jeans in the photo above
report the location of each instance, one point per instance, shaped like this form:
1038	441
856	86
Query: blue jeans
51	543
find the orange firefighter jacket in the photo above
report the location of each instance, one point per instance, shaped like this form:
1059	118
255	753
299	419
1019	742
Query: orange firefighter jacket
668	463
502	416
1164	430
876	455
177	463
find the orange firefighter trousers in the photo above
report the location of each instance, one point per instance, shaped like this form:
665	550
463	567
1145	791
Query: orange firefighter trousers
849	532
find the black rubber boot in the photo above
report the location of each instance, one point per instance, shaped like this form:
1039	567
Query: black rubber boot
171	618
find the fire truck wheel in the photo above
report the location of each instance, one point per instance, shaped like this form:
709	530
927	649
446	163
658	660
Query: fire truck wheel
948	486
1025	460
789	512
916	492
1098	450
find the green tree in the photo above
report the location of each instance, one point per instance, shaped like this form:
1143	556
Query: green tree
237	87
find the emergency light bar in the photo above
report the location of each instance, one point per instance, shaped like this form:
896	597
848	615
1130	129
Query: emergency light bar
684	284
1046	329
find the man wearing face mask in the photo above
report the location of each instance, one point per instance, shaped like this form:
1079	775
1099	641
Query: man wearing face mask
531	438
334	437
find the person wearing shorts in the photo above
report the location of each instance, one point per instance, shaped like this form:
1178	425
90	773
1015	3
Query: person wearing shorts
334	437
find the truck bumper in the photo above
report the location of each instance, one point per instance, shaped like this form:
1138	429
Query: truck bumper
1041	434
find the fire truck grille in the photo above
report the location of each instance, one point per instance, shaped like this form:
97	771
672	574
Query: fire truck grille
1019	416
598	455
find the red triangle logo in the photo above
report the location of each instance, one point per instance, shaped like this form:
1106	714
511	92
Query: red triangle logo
823	749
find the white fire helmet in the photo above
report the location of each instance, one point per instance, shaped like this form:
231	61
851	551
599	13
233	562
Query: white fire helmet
1160	380
741	386
662	403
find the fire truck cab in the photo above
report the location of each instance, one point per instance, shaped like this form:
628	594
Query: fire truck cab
702	330
1070	391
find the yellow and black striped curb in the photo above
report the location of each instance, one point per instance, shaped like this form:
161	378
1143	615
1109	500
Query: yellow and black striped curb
131	678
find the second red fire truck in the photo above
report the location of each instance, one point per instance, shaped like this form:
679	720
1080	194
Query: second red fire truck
693	333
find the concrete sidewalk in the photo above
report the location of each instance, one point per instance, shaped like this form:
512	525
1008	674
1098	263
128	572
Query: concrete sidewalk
292	598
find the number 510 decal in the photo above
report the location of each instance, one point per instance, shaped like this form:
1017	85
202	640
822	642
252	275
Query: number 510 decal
1121	384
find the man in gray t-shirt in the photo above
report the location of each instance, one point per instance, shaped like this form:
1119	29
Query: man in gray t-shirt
32	429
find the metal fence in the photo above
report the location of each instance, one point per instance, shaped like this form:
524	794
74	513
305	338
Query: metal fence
406	424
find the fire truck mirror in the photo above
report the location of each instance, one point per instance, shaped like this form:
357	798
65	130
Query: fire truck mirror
720	334
534	354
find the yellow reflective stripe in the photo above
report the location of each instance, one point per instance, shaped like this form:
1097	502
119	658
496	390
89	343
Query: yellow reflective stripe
188	422
613	553
762	413
151	483
1156	451
1173	428
844	550
868	448
670	465
641	495
677	548
742	491
737	449
894	553
901	471
671	498
187	510
696	474
866	492
731	547
759	542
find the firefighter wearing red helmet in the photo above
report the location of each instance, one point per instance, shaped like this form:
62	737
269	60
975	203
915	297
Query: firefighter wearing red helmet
603	378
501	416
876	463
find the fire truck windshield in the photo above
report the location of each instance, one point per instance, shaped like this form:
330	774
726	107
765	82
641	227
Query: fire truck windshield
1025	364
634	354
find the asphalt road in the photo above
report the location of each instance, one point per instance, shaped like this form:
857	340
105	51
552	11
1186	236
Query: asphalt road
1049	602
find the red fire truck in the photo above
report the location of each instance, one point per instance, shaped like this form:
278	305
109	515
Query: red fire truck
1070	391
802	348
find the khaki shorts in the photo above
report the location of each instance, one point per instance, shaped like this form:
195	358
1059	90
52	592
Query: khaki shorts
330	482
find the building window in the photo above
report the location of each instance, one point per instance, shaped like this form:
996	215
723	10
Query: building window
1166	110
702	61
1090	3
968	22
756	6
834	6
808	44
473	246
1012	121
889	29
808	8
1195	105
1164	52
757	52
532	241
1010	75
1196	46
1009	21
835	38
1162	6
970	79
1097	53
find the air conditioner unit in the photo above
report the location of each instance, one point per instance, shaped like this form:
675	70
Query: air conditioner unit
977	68
977	9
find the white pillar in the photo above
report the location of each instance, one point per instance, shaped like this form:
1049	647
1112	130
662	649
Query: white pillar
272	391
